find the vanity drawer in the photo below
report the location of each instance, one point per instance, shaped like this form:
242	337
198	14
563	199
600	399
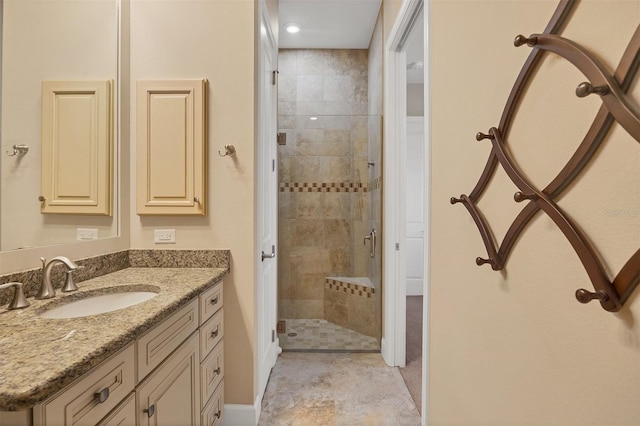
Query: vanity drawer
159	342
211	333
211	372
210	302
213	411
124	414
80	402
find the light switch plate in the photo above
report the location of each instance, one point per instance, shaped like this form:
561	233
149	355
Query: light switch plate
164	236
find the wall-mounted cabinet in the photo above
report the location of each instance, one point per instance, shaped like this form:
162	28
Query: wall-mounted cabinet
171	147
77	147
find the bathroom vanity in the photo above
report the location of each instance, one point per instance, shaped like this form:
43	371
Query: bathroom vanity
157	362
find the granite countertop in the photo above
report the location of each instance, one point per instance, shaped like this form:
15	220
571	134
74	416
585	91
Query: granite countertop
41	356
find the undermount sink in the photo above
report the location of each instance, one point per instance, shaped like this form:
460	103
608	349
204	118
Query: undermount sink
98	304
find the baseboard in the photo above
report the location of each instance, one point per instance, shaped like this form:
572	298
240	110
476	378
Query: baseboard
241	414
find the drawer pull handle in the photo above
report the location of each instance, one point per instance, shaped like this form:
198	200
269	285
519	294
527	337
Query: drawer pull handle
102	396
217	370
150	411
215	332
215	300
218	414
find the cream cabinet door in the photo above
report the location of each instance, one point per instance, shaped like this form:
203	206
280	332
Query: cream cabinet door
77	147
171	394
171	147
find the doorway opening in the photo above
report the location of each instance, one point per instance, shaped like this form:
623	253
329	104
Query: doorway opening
329	218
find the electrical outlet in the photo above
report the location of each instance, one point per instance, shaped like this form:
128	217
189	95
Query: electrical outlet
85	234
164	236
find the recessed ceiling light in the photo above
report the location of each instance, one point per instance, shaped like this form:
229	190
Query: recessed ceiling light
292	28
417	65
313	118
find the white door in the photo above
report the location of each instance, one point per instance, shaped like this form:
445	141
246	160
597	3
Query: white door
414	178
266	291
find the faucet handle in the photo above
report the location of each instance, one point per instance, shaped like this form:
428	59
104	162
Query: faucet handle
19	301
69	284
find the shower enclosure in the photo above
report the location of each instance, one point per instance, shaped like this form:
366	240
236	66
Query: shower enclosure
329	267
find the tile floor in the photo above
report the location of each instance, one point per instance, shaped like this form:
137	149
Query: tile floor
321	335
350	389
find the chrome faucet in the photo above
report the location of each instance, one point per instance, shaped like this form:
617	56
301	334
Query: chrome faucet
46	289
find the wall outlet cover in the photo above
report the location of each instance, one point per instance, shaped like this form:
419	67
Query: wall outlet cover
85	234
164	236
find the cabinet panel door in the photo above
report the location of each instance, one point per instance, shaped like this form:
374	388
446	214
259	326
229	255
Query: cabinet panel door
159	342
171	395
171	147
77	147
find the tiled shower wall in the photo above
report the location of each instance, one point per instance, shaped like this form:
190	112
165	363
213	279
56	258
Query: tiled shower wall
323	174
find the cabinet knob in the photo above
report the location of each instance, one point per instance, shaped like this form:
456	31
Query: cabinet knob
217	370
150	411
218	414
215	300
215	332
102	396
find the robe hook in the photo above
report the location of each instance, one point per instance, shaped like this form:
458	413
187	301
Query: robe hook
18	150
228	150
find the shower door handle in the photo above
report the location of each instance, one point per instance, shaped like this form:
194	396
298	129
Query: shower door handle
269	256
372	241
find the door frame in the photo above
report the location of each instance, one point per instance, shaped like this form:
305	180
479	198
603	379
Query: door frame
268	39
394	195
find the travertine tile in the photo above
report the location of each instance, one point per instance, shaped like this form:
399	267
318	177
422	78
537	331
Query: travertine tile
310	62
287	88
321	335
338	233
338	88
359	387
287	62
306	205
309	88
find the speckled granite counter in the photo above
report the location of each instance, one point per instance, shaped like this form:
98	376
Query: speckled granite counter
41	356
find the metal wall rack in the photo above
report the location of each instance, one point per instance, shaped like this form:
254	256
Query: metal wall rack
616	107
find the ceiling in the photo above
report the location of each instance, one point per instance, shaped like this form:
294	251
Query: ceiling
343	24
328	24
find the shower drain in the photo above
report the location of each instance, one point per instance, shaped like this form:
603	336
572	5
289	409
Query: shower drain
292	334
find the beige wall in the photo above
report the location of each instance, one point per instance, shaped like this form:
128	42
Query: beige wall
212	40
515	347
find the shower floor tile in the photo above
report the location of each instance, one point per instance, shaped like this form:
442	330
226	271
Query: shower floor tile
324	336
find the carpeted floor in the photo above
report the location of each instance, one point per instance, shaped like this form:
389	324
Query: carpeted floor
412	373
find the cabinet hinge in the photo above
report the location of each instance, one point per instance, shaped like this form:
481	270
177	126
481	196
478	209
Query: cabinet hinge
397	246
274	77
273	336
273	165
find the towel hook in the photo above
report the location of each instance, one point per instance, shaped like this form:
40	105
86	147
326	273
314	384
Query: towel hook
19	150
228	150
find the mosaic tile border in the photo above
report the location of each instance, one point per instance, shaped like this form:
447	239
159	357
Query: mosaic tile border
349	288
322	187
